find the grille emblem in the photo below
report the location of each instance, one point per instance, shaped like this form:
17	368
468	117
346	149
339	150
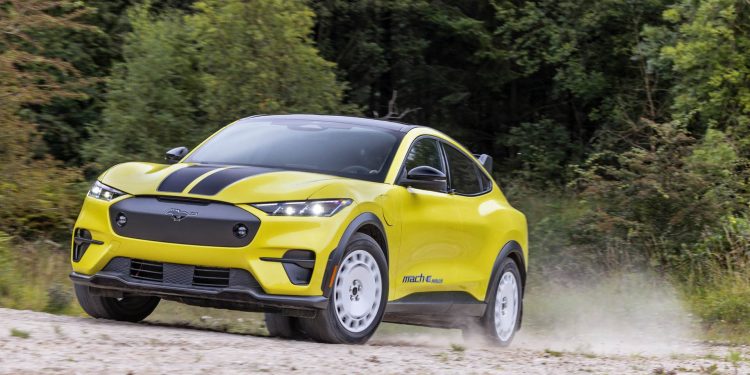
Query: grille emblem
179	215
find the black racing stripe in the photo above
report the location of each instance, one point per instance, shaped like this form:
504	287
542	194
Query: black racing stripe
181	178
214	183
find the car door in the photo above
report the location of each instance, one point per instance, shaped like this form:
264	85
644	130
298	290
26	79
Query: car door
469	186
430	231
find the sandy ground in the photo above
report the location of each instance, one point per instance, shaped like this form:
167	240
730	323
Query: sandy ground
70	345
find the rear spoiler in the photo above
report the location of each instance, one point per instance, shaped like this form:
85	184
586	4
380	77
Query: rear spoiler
485	160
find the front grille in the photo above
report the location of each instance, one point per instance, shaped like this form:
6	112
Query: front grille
145	270
202	223
204	276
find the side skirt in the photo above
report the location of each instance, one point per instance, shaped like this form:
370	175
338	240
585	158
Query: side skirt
435	309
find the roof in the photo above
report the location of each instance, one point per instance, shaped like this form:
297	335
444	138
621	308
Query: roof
361	121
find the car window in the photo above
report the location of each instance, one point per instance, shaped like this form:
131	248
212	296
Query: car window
425	151
486	183
464	175
333	148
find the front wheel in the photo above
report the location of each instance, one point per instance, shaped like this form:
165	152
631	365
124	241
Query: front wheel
127	309
358	298
502	318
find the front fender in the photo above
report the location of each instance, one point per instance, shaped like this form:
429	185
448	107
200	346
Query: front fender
365	218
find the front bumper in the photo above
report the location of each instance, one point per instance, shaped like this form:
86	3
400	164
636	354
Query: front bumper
274	238
245	294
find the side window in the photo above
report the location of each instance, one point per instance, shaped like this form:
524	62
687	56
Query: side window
425	151
464	176
486	183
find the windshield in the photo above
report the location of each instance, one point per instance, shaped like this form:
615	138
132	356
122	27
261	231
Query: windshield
339	149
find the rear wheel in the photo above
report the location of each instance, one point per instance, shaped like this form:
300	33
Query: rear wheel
502	318
358	298
127	309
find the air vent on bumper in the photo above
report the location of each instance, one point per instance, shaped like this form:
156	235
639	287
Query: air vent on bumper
81	242
205	276
145	270
298	265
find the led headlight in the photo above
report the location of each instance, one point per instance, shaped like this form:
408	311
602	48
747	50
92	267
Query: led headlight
326	207
104	192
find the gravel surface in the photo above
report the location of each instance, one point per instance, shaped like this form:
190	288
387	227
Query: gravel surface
70	345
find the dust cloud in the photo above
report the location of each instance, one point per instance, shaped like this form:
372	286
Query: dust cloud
627	314
623	314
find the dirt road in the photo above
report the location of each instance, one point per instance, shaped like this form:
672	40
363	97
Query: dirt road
61	344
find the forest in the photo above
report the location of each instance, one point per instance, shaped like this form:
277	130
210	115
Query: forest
620	127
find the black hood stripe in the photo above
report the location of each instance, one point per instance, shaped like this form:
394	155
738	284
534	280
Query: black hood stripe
181	178
216	182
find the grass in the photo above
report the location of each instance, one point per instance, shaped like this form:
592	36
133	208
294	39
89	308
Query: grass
19	333
458	348
34	276
723	306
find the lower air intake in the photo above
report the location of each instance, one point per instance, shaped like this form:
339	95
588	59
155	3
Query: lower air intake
205	276
145	270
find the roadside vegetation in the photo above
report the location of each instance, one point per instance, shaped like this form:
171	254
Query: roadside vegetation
622	129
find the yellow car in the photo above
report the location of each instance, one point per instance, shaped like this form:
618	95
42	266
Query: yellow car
328	224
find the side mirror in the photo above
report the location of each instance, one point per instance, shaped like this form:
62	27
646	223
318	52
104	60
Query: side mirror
176	154
486	161
425	178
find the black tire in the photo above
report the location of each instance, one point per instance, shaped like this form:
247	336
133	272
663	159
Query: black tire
326	327
484	329
285	327
127	309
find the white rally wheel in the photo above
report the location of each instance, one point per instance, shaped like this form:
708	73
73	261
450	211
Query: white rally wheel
357	291
507	305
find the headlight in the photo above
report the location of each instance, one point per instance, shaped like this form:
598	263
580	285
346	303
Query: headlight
305	208
104	192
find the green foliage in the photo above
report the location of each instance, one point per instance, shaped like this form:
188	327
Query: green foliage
544	150
34	276
19	333
709	56
661	196
153	95
186	75
257	57
34	190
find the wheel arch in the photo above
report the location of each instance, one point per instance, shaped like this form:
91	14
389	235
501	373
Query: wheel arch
367	223
512	250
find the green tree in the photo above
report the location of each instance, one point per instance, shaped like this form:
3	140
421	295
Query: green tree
153	100
185	75
257	57
708	54
479	69
34	189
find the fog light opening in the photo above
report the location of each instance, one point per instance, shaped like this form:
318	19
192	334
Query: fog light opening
121	220
240	231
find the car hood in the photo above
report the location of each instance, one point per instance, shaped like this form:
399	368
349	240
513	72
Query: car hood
233	184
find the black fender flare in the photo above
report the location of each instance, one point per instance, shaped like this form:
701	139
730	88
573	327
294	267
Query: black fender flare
511	248
335	257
